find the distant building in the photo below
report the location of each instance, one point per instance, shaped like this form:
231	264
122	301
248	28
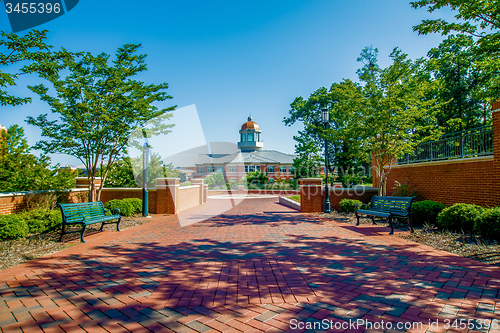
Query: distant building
250	157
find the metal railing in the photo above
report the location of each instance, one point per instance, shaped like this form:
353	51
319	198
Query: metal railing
469	143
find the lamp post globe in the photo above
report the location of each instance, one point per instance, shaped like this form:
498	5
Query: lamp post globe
325	118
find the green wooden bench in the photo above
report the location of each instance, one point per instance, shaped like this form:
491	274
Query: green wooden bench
85	214
388	208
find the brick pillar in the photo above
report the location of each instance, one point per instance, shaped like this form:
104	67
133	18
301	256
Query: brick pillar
205	193
496	148
167	194
199	182
83	182
311	200
241	189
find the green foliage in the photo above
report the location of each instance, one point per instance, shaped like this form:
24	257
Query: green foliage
349	205
215	181
487	224
135	204
22	171
127	207
12	227
127	172
294	198
31	50
406	190
455	65
257	180
478	19
99	107
42	220
459	217
425	212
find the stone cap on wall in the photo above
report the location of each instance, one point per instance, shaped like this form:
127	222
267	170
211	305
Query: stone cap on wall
310	181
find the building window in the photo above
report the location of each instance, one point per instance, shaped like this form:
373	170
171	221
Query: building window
252	168
233	179
232	168
220	169
210	169
270	168
283	169
250	136
243	139
201	169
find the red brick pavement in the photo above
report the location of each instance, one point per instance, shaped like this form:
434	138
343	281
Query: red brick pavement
256	268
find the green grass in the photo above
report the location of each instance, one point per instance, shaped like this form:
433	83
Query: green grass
295	198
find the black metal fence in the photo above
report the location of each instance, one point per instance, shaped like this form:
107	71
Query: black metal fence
469	143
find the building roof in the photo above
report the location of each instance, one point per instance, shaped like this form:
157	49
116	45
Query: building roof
258	156
250	124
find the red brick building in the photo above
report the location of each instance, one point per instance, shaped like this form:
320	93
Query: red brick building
250	157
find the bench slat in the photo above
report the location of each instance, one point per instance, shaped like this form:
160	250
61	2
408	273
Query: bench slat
389	208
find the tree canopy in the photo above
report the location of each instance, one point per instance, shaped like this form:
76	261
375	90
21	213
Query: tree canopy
22	171
99	104
34	53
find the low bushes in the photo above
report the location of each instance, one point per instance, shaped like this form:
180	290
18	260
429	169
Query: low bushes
127	207
36	221
12	227
487	224
425	212
459	217
348	205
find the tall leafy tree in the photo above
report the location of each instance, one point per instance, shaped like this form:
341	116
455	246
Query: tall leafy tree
22	171
462	84
341	100
31	51
396	113
477	18
99	104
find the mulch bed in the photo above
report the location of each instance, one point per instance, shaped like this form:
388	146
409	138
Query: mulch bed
15	252
468	246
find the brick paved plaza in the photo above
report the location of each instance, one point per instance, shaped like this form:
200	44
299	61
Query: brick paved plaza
252	269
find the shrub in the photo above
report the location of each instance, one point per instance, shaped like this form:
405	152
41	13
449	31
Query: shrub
42	220
135	204
12	227
487	224
459	217
406	190
425	212
127	207
348	205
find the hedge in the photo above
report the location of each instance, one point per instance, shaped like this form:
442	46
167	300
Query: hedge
425	212
348	205
127	207
459	217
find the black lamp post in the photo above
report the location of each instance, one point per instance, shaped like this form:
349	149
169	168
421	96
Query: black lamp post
325	118
145	167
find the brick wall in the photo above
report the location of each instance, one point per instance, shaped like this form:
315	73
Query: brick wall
166	198
17	201
470	180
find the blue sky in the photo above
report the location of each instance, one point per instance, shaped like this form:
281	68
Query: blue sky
234	58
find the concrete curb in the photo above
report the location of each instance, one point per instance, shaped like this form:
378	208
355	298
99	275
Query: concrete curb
289	203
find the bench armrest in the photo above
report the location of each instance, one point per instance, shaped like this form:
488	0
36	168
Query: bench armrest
358	204
83	218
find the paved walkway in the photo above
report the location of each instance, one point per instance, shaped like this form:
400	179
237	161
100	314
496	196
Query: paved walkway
258	267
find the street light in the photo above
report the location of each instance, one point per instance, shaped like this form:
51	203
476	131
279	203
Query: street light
145	167
325	118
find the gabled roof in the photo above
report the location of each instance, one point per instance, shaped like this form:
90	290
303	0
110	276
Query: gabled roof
259	156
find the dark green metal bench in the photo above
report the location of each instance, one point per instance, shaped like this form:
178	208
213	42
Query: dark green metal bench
85	214
388	208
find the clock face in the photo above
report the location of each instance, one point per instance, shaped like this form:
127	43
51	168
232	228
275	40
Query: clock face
26	15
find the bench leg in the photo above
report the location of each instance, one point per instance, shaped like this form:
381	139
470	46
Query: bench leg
410	223
84	227
62	232
357	218
389	219
373	220
118	224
